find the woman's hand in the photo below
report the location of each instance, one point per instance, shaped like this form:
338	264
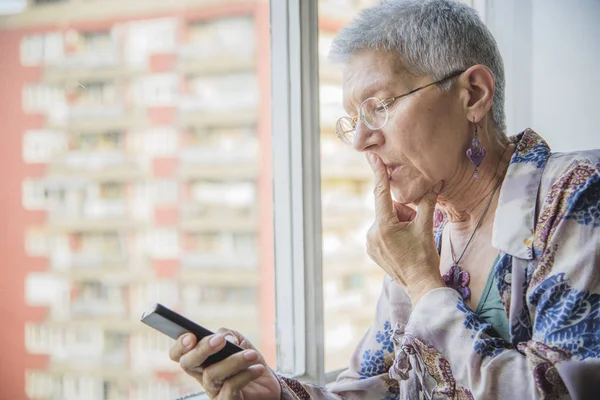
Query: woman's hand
241	376
401	239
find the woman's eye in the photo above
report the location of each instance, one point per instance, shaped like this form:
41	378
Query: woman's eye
389	103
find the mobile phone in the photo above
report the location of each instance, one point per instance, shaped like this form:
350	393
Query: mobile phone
174	325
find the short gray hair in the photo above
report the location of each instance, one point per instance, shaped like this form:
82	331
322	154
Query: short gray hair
433	37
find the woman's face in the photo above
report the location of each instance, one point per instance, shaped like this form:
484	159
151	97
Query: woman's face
423	141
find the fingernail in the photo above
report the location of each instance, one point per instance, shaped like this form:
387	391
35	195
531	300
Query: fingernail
187	341
438	187
216	340
373	159
232	339
250	355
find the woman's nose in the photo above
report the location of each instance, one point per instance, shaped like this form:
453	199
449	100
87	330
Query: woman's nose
365	137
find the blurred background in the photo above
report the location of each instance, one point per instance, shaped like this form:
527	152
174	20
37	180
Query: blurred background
136	169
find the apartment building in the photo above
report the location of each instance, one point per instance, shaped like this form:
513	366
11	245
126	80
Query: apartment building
142	173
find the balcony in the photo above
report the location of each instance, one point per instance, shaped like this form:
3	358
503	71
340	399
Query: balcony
76	224
224	101
218	260
242	152
224	252
221	119
96	117
87	261
86	209
74	71
95	111
100	119
190	64
216	223
81	202
230	171
97	57
107	324
220	314
226	209
93	166
219	46
84	356
95	306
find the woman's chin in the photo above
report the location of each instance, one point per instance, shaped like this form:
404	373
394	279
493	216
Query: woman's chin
403	196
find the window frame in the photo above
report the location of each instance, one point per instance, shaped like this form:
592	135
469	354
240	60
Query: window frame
297	189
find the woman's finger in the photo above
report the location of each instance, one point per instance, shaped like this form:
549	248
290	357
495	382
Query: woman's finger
192	361
232	386
185	343
231	335
214	376
384	209
426	208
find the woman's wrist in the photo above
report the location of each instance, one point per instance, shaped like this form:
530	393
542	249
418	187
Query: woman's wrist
416	292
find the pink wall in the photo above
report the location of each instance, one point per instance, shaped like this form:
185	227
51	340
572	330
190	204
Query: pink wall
13	220
15	264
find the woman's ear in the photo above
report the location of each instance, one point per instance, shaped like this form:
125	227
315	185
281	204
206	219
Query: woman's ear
479	84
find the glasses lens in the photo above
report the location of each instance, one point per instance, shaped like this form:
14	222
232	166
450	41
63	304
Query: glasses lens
374	113
345	130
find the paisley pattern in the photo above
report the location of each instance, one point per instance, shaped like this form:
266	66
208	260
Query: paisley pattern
531	148
430	360
542	359
584	203
521	328
567	317
439	369
564	195
544	267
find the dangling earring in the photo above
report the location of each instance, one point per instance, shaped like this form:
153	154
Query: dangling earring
476	153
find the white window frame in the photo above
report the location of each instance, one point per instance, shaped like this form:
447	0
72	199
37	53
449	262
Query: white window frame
297	189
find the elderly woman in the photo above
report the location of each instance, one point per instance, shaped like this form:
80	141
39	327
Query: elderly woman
503	301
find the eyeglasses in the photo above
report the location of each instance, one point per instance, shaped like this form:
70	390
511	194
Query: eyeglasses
374	113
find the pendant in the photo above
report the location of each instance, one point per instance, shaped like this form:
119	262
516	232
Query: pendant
458	280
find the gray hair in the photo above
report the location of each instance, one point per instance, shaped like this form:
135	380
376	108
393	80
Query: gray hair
433	37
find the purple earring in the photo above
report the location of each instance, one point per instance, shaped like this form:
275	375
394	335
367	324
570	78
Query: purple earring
476	153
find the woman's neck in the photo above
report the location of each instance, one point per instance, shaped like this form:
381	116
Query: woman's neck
465	198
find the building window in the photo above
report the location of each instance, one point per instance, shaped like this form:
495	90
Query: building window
41	49
42	98
157	90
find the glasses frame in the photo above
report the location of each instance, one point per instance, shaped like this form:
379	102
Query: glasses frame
348	135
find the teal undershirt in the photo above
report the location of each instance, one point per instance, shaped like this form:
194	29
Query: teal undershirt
491	308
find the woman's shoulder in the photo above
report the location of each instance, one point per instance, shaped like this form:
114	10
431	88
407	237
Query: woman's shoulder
565	162
570	171
569	192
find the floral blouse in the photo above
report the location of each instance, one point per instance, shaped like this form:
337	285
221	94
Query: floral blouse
547	228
